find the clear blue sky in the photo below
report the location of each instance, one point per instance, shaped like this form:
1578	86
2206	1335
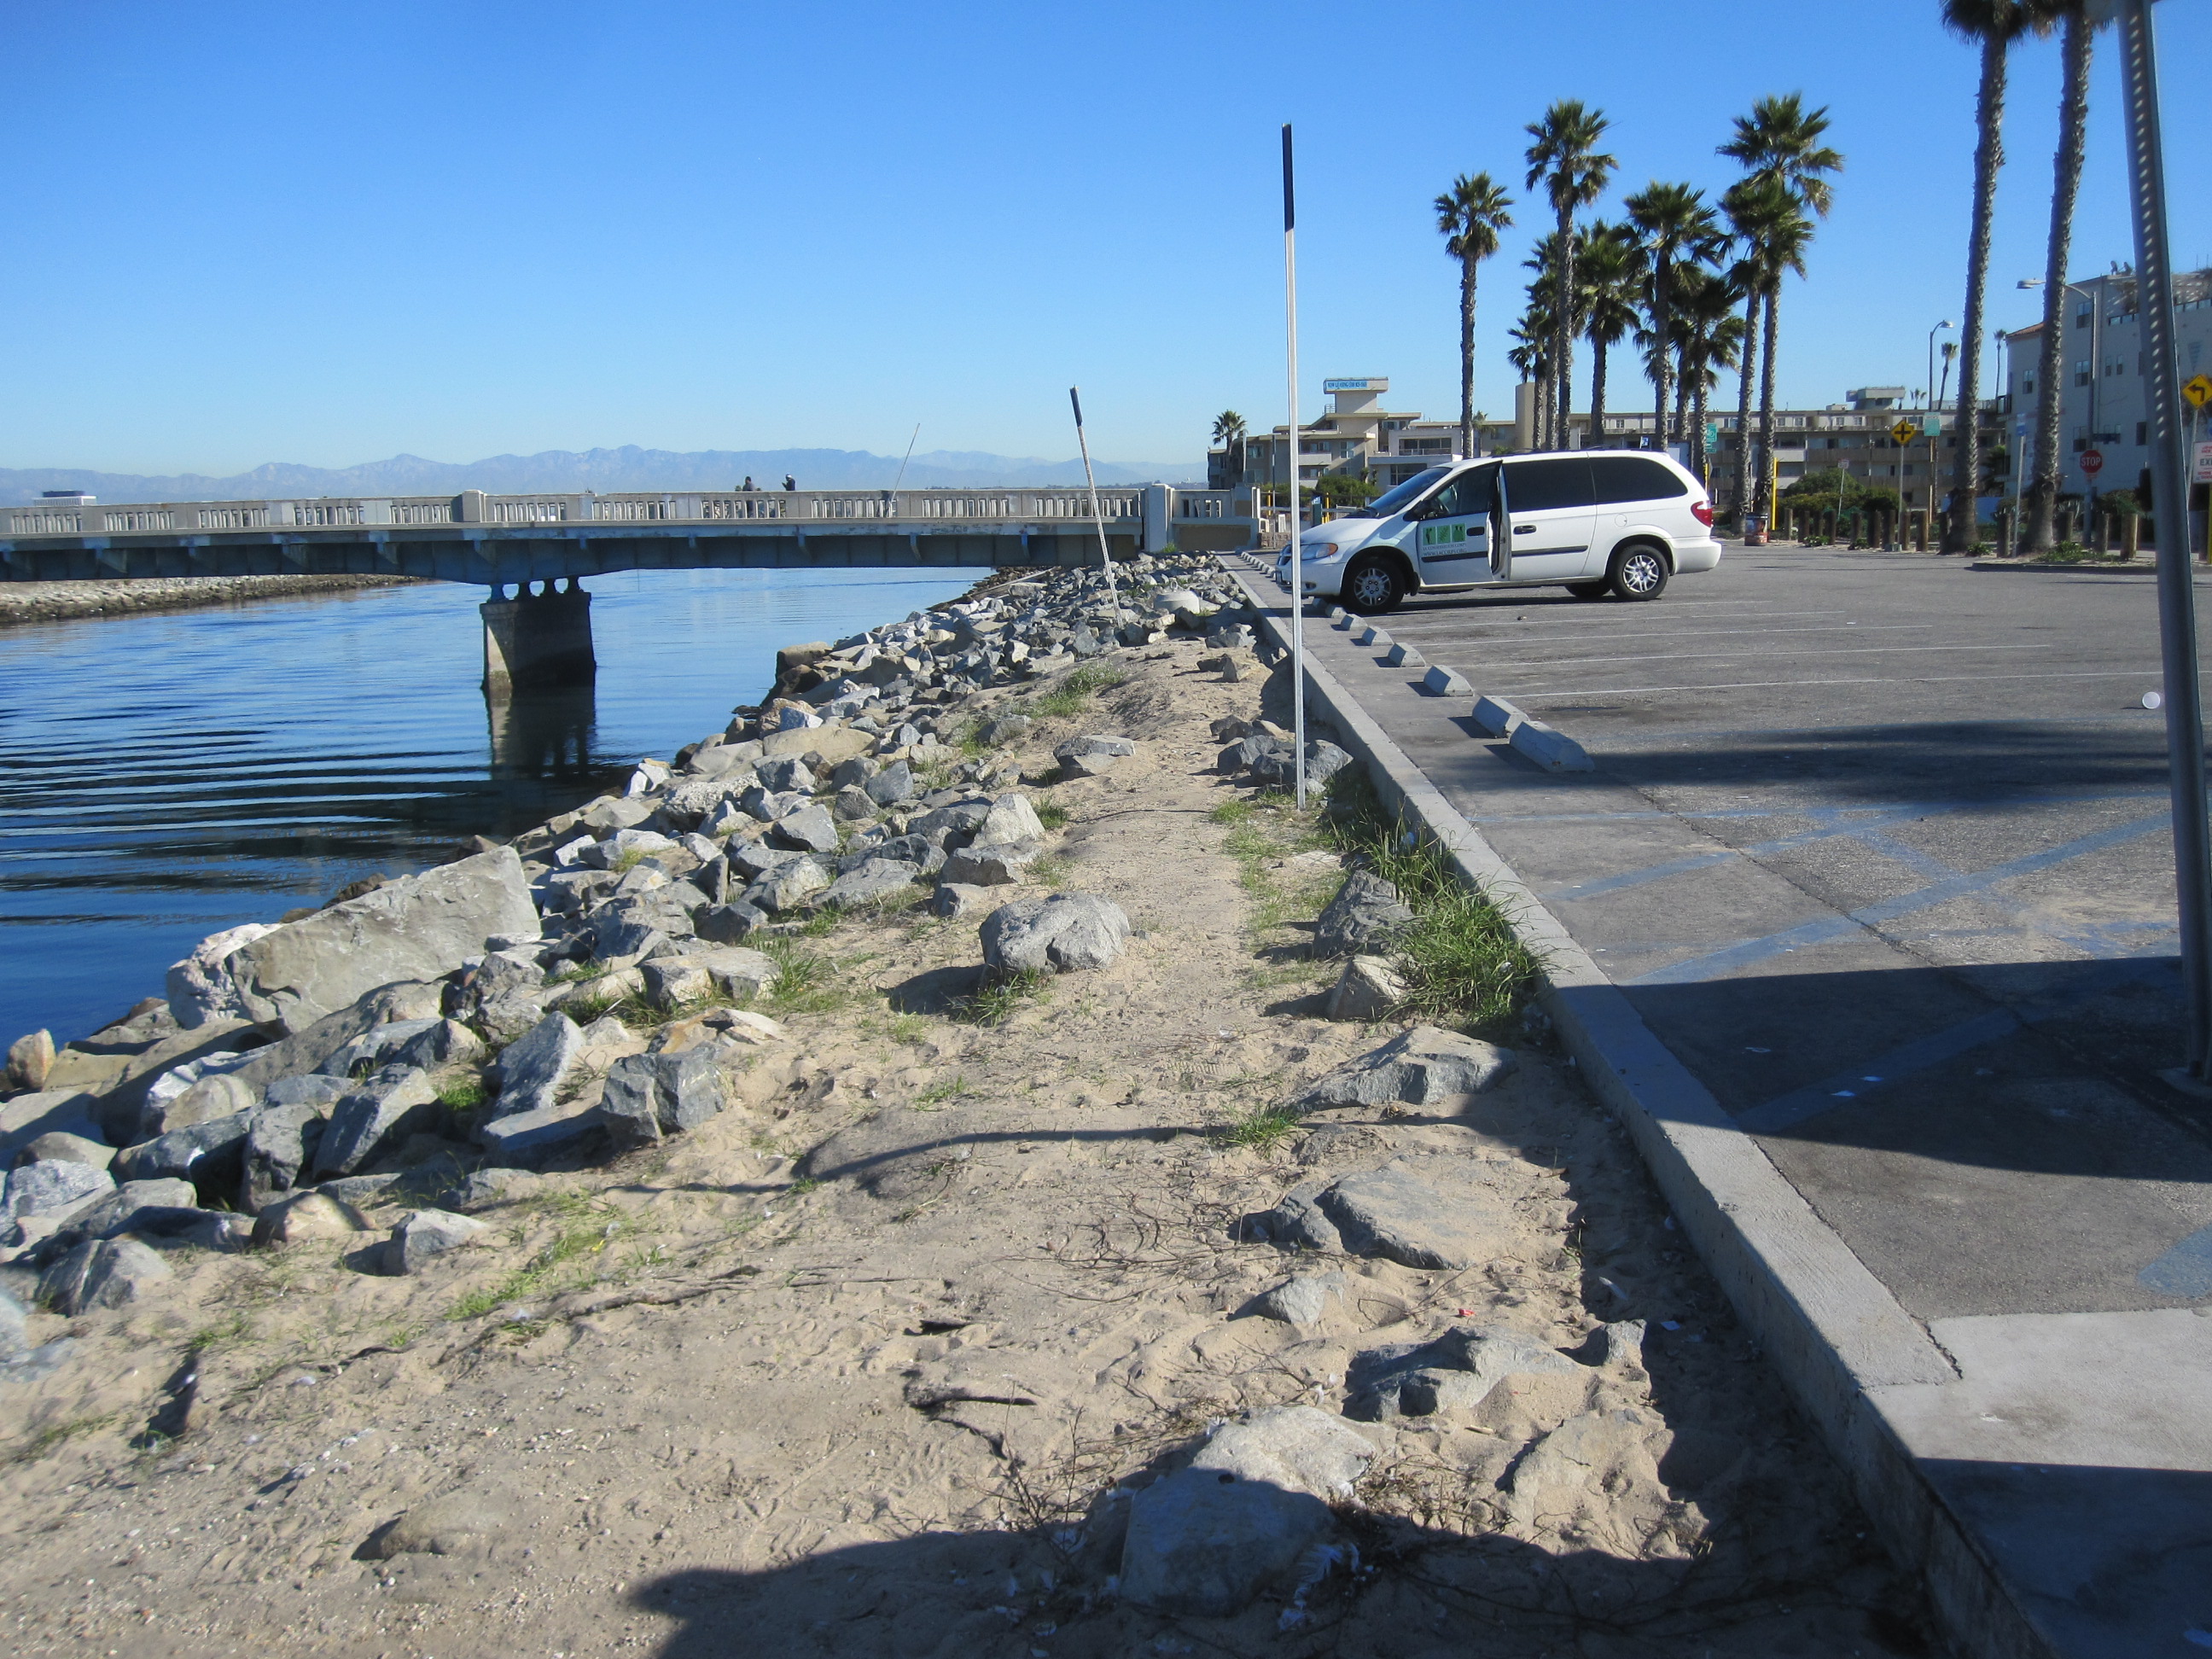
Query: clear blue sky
252	232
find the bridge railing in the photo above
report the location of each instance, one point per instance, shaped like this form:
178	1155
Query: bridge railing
1157	508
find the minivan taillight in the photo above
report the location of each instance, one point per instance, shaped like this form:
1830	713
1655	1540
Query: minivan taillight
1703	512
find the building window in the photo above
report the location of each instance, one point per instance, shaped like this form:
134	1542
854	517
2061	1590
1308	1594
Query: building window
2082	315
2081	371
2143	434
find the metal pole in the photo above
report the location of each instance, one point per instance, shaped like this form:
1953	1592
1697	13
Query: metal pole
1097	518
1298	562
2176	599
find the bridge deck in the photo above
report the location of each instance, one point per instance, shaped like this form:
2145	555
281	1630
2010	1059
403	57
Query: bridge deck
493	540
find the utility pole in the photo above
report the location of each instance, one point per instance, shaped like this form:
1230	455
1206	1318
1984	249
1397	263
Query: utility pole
2176	599
1298	533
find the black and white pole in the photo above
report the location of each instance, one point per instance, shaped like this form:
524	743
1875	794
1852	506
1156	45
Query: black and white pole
2169	461
1097	518
1297	562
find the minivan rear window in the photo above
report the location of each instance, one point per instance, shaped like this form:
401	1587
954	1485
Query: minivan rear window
1533	486
1634	478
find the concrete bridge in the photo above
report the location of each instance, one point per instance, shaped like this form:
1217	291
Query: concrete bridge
543	636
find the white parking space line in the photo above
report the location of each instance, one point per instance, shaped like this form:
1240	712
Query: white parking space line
1863	679
1556	660
1720	633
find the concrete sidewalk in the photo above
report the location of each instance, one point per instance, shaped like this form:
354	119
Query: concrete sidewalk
1893	1039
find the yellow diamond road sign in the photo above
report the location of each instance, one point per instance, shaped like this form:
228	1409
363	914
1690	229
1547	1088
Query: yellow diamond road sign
1903	432
2198	390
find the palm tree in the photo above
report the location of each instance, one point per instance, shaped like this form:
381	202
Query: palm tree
1712	338
1992	26
1544	305
1744	206
1566	160
1531	355
1229	438
2065	188
1609	272
1676	225
1779	145
1470	214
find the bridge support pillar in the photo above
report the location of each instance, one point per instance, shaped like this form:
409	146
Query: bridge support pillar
536	639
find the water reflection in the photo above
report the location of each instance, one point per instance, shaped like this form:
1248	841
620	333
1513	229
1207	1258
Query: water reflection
163	776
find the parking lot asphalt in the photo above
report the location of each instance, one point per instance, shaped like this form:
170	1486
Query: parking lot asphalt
1878	846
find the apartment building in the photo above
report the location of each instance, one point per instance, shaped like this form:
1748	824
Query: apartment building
1354	435
2104	398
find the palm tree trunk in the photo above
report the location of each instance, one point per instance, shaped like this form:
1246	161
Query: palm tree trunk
1695	435
1661	272
1742	502
2050	366
1679	432
1960	529
1597	395
1763	480
1467	355
1563	330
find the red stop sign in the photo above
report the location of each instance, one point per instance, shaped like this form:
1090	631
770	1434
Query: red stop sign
2092	461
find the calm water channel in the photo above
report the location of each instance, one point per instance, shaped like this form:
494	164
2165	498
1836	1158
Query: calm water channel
164	776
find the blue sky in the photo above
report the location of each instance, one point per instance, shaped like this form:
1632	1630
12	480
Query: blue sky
250	232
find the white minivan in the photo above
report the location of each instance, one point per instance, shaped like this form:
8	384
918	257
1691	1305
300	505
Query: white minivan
1596	522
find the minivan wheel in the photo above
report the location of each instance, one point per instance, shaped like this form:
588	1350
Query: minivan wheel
1638	573
1372	587
1589	590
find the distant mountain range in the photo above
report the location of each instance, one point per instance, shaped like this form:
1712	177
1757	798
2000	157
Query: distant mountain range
567	472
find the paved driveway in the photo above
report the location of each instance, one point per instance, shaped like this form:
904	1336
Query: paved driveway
1878	845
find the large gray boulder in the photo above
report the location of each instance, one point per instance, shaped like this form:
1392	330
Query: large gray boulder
1368	989
1240	1520
420	927
649	1095
203	1153
1391	1211
1424	1067
1366	911
50	1188
892	787
1455	1371
790	887
134	1206
1064	933
383	1109
810	830
427	1043
280	1140
101	1273
875	880
425	1234
199	988
1011	819
997	864
532	1069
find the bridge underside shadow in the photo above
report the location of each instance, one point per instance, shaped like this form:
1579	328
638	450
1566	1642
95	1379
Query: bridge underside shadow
498	557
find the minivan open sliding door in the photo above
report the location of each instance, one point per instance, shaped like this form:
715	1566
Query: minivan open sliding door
1553	515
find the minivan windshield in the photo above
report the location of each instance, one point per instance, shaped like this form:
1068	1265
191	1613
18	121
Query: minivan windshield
1391	502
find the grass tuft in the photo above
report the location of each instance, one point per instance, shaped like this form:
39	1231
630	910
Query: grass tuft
1461	958
999	997
1074	692
1263	1129
805	980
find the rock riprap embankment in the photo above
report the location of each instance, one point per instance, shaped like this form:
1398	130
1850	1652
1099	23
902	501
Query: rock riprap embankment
416	1033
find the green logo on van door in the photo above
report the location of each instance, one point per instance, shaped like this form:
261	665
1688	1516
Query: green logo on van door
1439	535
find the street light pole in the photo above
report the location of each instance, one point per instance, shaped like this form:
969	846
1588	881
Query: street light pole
1930	394
2176	599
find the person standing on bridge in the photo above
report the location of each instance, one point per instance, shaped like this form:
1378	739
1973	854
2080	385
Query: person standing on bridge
748	486
790	483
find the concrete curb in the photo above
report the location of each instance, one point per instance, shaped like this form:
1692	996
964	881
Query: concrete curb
1830	1328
